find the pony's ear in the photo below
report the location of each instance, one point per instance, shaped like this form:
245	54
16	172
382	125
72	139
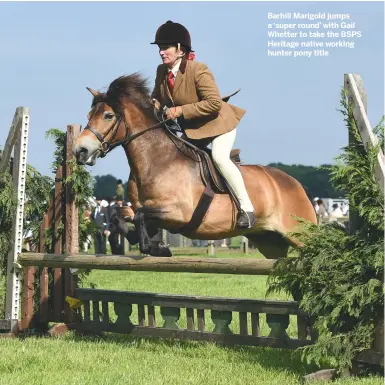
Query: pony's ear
93	92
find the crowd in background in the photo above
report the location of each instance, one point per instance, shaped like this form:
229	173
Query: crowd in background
337	210
101	212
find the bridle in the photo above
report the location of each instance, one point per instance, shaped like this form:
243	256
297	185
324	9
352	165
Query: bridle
106	146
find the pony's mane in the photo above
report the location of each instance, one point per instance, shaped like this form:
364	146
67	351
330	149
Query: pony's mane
133	88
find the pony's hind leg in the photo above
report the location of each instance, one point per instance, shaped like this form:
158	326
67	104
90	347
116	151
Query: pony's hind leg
271	244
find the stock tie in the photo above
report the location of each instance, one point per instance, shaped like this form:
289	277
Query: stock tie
170	81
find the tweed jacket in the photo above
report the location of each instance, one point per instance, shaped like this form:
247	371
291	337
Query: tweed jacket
205	114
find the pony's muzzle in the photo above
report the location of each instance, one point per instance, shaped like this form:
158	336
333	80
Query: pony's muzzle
81	155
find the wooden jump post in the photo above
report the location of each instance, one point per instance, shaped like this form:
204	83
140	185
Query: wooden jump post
62	208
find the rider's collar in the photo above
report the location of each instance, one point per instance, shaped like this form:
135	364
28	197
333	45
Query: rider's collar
175	69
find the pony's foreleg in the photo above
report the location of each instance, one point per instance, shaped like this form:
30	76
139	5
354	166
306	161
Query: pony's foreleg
144	239
132	192
150	237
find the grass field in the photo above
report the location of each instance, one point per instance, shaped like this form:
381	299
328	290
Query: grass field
126	360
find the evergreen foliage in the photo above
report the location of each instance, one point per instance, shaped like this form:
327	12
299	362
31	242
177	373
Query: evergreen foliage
8	202
340	275
38	194
37	189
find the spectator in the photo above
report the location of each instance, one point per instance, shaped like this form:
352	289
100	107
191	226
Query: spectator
315	205
87	217
116	239
104	204
336	212
119	189
122	224
345	208
100	217
322	213
111	204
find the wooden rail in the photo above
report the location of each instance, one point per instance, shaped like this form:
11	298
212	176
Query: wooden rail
245	266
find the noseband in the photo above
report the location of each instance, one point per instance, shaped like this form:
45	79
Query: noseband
106	146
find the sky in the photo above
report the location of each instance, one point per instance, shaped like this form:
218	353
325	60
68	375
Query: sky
51	51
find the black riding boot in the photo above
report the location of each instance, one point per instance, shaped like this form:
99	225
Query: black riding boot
245	220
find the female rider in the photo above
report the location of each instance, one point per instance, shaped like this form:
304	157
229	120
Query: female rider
188	88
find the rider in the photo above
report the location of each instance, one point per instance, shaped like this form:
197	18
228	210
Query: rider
188	88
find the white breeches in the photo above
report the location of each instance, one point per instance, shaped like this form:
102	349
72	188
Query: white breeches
221	148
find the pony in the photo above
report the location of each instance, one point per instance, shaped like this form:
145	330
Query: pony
165	184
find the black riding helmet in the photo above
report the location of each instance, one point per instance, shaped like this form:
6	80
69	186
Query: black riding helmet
173	33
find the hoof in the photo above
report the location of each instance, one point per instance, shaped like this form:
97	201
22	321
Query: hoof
159	250
132	237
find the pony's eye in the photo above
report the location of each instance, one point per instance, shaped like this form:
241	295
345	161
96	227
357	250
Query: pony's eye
108	116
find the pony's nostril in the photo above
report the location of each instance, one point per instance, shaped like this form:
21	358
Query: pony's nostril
82	150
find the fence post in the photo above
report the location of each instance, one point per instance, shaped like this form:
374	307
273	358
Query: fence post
354	220
71	220
210	248
164	236
44	299
57	245
11	139
245	245
19	174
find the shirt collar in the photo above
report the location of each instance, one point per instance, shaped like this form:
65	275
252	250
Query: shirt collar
175	69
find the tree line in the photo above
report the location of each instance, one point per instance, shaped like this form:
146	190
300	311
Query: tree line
315	180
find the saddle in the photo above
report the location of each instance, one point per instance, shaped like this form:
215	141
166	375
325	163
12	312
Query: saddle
210	175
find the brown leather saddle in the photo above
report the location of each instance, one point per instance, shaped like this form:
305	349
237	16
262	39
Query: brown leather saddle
209	173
